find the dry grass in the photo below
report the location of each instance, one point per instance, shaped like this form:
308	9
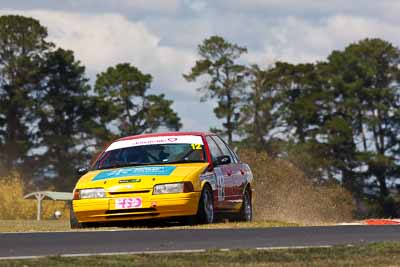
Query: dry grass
13	206
284	193
380	254
63	225
33	225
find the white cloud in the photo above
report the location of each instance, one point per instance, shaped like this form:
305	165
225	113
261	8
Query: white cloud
170	6
305	7
100	41
165	44
138	7
298	40
196	5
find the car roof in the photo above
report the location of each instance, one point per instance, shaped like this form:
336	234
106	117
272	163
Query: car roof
163	134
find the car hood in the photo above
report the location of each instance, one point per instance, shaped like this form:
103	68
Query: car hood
140	177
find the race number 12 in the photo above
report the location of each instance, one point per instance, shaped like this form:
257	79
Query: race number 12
196	146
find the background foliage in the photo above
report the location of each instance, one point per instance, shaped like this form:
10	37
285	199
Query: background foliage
13	206
51	120
329	125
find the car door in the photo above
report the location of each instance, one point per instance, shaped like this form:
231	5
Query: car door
220	173
234	180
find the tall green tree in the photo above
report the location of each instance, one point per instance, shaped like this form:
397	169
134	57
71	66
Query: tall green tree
365	80
347	111
225	81
125	106
66	119
299	95
257	122
22	48
290	102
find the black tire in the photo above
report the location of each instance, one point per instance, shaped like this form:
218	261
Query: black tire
205	212
73	221
246	210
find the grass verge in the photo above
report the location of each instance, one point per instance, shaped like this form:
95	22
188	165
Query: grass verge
379	254
63	225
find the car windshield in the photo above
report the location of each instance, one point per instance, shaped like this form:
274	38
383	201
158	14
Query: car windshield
151	154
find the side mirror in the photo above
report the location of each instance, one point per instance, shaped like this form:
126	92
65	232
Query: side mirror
222	160
82	170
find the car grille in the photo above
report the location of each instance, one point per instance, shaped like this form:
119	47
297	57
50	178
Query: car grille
130	210
129	192
142	212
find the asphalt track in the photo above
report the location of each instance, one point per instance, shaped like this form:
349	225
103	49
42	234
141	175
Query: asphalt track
147	241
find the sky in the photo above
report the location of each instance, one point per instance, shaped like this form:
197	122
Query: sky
160	37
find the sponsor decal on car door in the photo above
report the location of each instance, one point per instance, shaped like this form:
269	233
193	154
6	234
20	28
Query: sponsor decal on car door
220	183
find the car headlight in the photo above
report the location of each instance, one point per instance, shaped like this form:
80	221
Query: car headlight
168	188
92	193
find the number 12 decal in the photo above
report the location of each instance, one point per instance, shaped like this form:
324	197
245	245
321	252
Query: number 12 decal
196	146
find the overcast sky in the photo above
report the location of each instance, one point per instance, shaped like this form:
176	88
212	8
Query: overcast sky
160	37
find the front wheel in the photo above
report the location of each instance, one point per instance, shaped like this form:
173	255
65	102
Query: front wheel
246	211
205	213
73	221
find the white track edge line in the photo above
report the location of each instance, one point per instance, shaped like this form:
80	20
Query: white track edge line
152	252
105	254
293	247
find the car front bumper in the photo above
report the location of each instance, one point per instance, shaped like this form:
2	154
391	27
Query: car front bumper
153	206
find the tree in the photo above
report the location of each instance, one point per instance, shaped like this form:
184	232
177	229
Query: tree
365	80
226	79
258	121
347	111
299	93
66	119
22	47
280	116
125	106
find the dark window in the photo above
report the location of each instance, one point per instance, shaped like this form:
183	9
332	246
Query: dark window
214	149
151	154
225	149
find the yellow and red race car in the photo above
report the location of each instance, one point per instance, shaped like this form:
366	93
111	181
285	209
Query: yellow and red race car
191	175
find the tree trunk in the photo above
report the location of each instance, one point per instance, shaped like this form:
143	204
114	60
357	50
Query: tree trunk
11	145
348	181
383	190
229	129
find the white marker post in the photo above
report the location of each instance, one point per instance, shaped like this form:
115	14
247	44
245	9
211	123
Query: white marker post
39	196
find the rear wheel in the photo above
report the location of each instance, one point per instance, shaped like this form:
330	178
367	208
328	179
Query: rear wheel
246	211
205	213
